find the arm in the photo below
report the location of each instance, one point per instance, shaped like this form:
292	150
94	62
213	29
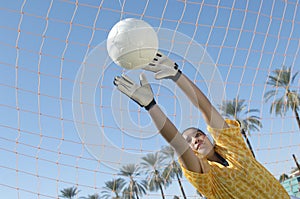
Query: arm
164	68
211	116
170	133
142	94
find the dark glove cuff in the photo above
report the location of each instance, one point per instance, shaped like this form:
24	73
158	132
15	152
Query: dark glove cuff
176	77
150	105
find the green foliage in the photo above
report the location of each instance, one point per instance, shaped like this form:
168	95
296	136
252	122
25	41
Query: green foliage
284	98
69	193
94	196
133	187
113	189
173	169
152	166
281	80
237	109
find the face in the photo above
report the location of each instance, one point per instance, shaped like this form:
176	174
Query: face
198	141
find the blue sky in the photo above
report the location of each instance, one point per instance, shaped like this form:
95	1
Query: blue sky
41	149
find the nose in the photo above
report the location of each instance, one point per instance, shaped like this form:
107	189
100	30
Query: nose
198	139
195	140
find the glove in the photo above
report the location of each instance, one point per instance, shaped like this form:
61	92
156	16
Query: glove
141	94
163	67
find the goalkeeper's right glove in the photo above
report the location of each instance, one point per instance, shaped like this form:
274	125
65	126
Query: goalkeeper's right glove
140	93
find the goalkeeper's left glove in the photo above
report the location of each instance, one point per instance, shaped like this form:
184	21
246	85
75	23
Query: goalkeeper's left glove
163	67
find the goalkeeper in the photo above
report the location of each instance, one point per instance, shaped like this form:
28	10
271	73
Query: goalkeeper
223	168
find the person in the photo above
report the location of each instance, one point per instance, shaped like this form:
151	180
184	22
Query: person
222	168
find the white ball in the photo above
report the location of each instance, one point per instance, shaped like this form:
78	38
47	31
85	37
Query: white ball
132	43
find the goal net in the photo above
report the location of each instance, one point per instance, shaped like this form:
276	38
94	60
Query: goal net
65	129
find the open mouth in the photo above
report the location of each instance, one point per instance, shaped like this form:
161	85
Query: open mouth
199	145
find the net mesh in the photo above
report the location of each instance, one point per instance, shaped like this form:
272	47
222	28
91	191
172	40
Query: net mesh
44	46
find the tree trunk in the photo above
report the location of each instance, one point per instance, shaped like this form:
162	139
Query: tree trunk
136	195
161	191
248	142
134	189
297	164
180	185
297	117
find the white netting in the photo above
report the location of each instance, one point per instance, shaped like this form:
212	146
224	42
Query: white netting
62	121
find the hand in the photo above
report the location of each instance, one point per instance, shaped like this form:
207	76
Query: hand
141	94
163	67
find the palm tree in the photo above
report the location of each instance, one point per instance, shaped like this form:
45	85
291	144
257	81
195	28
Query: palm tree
69	193
113	187
283	177
235	109
281	80
94	196
151	163
173	169
134	188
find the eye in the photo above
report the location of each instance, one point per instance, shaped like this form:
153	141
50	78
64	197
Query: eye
189	140
198	135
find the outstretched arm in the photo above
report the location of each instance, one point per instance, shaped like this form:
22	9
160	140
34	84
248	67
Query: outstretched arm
211	116
142	94
165	68
170	133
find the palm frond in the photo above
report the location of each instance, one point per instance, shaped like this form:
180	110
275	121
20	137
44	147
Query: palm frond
275	82
293	100
94	196
252	111
113	187
281	78
133	186
69	192
294	76
130	170
152	165
289	99
269	94
279	106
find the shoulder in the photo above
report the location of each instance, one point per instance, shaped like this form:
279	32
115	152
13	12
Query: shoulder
230	138
233	129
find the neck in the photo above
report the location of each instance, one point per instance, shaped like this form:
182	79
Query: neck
215	157
212	156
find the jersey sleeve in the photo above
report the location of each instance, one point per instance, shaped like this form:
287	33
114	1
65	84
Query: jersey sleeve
201	181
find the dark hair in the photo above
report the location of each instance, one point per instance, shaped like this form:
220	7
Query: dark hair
193	128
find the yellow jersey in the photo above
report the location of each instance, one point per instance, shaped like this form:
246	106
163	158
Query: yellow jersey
244	178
